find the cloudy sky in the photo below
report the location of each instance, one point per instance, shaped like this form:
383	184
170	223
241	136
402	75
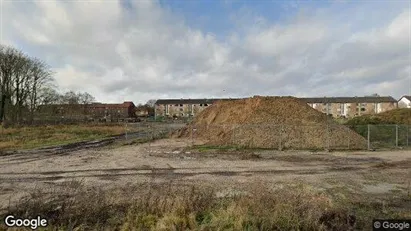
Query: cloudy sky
149	49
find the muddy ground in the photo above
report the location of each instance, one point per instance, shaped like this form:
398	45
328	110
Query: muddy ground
382	175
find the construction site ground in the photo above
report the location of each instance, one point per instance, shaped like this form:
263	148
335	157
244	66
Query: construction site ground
357	175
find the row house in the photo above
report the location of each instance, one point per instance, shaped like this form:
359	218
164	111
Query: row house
181	107
405	102
348	107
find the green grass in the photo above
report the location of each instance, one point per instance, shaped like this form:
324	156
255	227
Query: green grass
35	137
340	120
382	128
396	116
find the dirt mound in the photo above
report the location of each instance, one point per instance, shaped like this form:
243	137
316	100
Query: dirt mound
270	122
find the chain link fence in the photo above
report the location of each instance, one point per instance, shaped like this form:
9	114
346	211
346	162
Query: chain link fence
281	137
386	136
299	137
150	130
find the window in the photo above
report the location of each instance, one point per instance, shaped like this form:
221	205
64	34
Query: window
201	105
181	105
362	109
205	105
176	105
181	109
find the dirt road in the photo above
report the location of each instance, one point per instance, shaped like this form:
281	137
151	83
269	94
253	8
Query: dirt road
361	173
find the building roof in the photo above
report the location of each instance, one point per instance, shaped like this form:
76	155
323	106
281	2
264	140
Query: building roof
95	105
188	101
407	97
112	105
366	99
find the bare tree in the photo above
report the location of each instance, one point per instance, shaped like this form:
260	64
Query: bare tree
86	99
48	96
71	97
21	79
151	102
26	83
41	77
8	59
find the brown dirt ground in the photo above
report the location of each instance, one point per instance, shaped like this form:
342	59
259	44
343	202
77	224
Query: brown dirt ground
365	174
270	122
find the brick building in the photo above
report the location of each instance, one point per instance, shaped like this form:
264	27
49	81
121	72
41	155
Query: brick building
93	110
124	110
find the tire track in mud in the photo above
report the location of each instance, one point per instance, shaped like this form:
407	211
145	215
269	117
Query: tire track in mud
25	156
166	173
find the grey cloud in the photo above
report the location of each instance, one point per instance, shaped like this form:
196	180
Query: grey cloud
145	52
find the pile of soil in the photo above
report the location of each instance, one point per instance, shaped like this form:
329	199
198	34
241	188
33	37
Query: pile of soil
270	122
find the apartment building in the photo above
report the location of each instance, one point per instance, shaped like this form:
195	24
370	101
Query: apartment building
348	107
181	107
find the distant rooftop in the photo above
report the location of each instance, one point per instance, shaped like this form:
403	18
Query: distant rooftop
407	97
189	101
365	99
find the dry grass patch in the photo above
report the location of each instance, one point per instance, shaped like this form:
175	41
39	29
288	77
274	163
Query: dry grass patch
177	207
33	137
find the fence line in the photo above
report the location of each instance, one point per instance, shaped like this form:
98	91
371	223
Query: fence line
283	136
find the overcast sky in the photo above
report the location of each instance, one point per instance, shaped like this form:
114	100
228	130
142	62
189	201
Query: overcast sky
142	49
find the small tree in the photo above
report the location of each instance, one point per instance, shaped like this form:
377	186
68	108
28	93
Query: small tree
85	99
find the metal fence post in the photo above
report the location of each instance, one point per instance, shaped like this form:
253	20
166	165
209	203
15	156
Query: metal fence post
327	132
396	135
126	132
233	135
368	137
191	132
280	137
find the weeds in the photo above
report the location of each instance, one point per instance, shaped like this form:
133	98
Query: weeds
178	207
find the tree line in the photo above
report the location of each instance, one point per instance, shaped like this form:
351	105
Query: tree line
26	83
